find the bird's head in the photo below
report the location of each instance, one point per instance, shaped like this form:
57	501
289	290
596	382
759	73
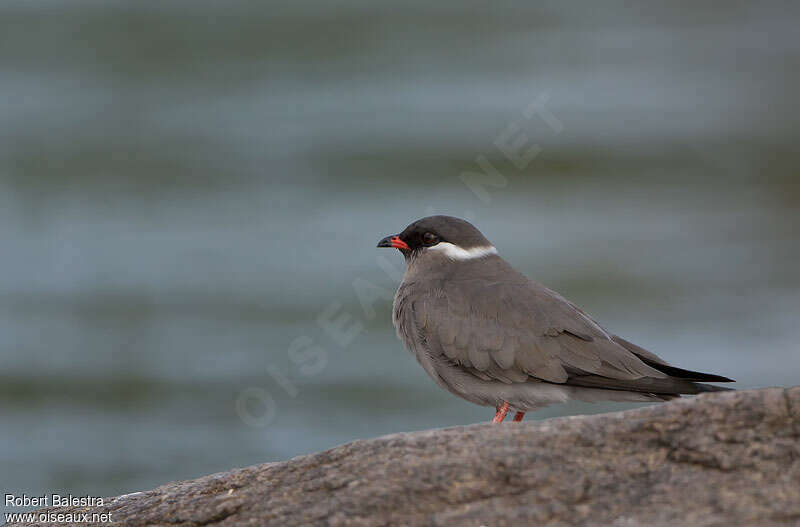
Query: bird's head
443	236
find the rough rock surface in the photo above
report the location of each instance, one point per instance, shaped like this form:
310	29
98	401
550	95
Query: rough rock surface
719	459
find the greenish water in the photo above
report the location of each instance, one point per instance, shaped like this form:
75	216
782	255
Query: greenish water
187	188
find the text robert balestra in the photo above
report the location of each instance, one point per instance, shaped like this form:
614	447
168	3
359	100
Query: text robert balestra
52	500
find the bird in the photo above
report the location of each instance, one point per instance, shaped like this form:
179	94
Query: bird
488	334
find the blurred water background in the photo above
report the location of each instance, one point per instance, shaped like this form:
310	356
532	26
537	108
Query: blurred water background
187	187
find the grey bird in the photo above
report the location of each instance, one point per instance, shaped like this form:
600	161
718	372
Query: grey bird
489	334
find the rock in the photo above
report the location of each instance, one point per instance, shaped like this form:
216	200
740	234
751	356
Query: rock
728	458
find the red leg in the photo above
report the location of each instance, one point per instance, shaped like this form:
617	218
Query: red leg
518	417
501	413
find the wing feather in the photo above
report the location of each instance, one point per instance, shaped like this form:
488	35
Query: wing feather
514	332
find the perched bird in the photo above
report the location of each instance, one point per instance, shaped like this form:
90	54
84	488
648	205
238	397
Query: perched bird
492	336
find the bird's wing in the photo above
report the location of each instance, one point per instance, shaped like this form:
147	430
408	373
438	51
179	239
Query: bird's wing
512	331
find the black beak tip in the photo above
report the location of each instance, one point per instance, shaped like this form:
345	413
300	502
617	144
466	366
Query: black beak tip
385	242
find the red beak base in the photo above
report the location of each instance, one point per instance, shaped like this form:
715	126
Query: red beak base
394	241
397	243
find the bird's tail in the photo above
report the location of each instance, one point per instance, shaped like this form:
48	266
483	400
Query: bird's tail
702	387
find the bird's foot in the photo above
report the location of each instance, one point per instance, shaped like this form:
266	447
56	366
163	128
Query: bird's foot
518	417
502	410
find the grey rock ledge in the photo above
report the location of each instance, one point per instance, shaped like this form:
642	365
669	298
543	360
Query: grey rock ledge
728	458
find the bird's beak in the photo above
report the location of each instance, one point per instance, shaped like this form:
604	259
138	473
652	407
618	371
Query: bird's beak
393	241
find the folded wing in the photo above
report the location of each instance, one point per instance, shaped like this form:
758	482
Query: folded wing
521	332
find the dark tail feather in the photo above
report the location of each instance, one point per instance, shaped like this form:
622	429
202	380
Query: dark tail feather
668	386
651	359
679	381
688	375
711	388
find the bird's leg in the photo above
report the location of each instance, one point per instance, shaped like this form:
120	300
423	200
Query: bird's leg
518	416
502	410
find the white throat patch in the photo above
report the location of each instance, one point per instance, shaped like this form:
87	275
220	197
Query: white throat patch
454	252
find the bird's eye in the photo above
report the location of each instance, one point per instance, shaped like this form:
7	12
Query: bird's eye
430	239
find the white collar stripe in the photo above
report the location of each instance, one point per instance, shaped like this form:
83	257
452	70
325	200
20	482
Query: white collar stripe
454	252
